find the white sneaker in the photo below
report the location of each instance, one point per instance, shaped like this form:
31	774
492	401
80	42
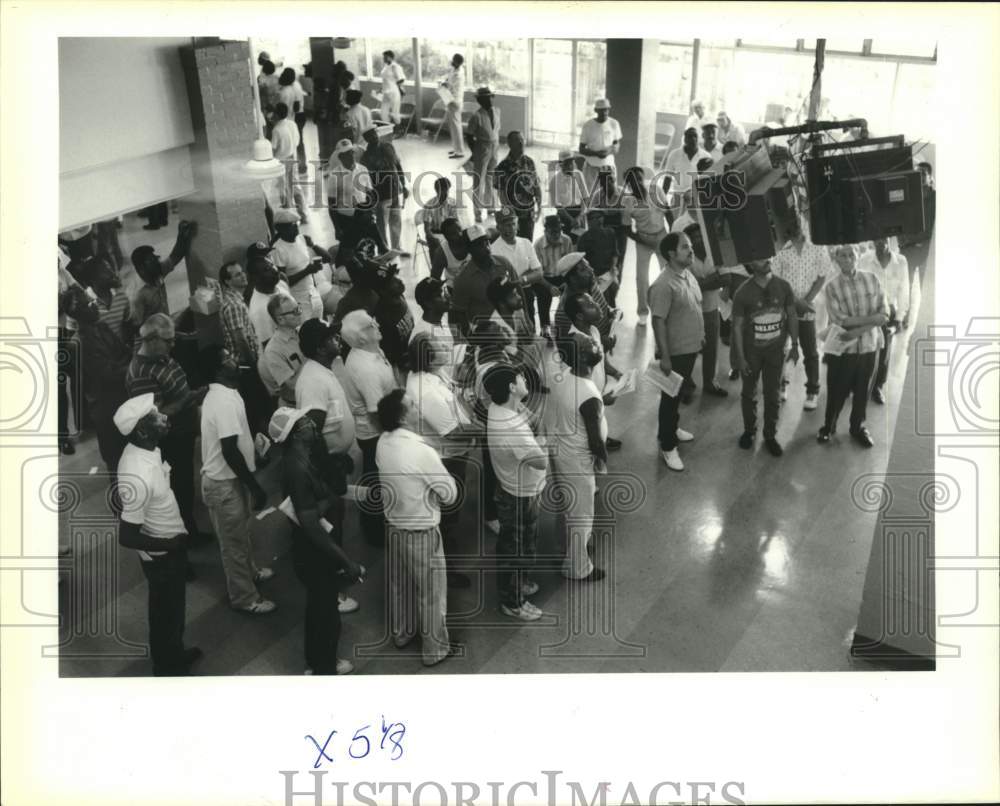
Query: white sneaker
643	319
683	436
673	459
345	604
493	526
526	612
810	403
263	574
529	588
261	607
344	666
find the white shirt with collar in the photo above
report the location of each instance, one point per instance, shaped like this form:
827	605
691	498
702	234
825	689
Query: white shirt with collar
285	139
223	414
317	387
150	504
418	481
369	378
895	279
521	254
600	137
681	167
440	413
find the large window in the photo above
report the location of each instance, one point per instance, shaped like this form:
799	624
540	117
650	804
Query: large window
403	48
435	59
914	103
860	88
591	71
550	95
501	64
673	78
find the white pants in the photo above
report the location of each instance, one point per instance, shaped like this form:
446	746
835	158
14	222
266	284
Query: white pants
642	255
390	105
577	476
418	590
453	118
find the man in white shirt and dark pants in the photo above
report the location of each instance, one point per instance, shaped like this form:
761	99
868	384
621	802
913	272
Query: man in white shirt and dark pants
419	485
228	486
151	524
893	271
600	139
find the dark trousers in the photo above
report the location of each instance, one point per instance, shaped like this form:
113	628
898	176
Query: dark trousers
318	574
810	355
669	414
544	303
488	496
526	226
769	364
350	229
710	351
167	600
256	398
528	294
372	516
611	295
848	374
516	545
456	467
178	451
882	365
300	123
69	391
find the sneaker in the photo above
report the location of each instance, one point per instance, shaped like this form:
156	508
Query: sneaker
344	666
673	459
261	607
746	440
683	436
773	446
810	404
863	437
643	319
824	435
878	396
526	612
345	604
613	444
714	389
263	574
529	588
493	526
733	374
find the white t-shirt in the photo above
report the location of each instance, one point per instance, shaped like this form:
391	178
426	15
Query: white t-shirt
521	254
292	258
511	440
369	378
412	469
680	167
150	503
567	427
392	73
223	414
318	388
263	324
290	94
598	136
439	411
285	139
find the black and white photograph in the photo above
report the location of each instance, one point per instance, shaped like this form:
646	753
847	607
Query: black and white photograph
533	356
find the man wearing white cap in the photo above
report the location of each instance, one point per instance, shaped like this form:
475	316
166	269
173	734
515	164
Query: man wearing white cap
314	482
697	119
600	140
299	258
151	524
568	194
468	299
351	199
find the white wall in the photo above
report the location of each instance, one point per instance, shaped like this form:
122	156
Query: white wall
124	126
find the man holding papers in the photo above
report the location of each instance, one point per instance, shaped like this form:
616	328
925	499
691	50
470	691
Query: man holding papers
764	314
855	302
679	330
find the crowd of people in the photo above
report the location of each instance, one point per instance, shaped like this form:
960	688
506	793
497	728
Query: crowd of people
485	396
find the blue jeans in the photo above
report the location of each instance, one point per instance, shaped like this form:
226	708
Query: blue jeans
516	545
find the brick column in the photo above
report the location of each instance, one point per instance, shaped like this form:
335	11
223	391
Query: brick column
228	204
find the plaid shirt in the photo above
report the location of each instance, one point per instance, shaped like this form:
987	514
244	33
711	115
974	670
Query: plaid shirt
860	294
235	318
166	380
549	254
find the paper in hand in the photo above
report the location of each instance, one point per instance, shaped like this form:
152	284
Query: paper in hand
668	384
625	385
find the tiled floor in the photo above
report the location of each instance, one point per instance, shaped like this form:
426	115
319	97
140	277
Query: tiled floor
741	563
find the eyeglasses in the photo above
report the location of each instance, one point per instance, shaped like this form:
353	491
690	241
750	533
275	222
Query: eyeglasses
292	311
